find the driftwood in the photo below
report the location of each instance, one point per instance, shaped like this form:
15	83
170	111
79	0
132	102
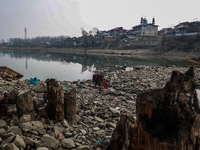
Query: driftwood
167	119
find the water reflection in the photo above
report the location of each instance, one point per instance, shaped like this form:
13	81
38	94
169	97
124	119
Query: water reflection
80	65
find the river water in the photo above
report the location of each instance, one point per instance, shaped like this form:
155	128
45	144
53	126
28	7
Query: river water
71	67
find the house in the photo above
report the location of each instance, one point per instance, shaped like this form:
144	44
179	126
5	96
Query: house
166	32
116	32
187	28
182	27
194	27
145	28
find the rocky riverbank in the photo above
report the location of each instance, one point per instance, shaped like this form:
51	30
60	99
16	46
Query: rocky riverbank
98	110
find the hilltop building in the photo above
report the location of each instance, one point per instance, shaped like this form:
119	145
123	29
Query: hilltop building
145	29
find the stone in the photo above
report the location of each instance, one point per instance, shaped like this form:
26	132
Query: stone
7	140
65	123
96	128
3	107
83	131
85	147
106	91
50	141
38	126
11	96
11	146
12	109
3	124
58	131
68	143
42	148
42	112
28	140
19	142
24	104
2	132
40	89
78	118
14	120
33	132
109	124
6	135
25	118
99	119
114	111
16	130
26	126
39	144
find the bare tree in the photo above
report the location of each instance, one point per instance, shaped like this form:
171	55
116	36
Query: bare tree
95	31
84	36
90	32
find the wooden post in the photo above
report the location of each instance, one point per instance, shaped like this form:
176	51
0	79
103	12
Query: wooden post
55	96
24	103
70	106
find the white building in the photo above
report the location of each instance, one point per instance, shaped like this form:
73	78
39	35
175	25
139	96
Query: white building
145	28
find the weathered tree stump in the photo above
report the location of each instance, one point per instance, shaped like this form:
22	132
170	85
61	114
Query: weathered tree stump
168	118
24	103
70	106
120	138
55	96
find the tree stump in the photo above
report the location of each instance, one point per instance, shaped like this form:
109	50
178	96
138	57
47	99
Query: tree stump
120	137
24	103
168	118
70	106
55	96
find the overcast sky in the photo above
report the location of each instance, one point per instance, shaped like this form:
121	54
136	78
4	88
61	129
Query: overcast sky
66	17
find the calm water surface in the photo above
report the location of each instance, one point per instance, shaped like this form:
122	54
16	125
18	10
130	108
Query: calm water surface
71	67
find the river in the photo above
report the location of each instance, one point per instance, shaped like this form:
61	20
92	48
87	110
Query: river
71	67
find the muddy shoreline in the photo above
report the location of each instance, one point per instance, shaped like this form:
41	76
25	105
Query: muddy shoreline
112	52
